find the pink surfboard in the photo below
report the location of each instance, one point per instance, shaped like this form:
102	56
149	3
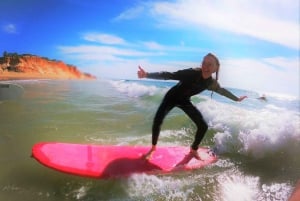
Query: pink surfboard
104	161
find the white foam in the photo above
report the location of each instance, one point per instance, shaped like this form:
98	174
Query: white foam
230	185
80	192
133	89
170	188
174	137
236	187
275	191
255	133
283	97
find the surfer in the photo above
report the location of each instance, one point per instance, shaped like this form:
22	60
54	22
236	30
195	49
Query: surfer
191	82
262	98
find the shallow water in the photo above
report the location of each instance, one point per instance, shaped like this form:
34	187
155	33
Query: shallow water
257	142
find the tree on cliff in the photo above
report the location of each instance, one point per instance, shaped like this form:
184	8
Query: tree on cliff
14	59
4	54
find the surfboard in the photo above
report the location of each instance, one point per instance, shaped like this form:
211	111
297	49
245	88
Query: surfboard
9	91
105	161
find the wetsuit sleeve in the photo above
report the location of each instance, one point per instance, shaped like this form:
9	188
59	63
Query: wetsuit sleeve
215	86
178	75
161	76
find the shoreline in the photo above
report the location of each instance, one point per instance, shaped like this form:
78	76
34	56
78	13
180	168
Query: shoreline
8	76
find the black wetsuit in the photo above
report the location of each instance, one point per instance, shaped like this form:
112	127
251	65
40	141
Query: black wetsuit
190	83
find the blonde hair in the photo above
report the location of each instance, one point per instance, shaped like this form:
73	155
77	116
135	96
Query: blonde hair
218	68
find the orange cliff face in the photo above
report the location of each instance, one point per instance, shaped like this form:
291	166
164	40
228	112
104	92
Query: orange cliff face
39	67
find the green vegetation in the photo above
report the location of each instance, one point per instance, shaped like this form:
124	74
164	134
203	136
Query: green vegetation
12	59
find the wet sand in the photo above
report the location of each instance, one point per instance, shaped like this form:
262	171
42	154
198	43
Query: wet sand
31	76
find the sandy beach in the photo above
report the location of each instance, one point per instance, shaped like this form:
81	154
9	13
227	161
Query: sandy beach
30	76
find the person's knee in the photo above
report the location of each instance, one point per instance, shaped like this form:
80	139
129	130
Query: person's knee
202	125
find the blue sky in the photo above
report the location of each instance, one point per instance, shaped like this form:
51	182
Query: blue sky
256	41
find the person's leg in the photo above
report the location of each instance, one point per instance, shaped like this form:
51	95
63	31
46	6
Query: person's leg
162	111
197	118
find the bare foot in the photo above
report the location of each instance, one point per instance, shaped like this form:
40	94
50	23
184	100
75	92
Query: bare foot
195	154
149	154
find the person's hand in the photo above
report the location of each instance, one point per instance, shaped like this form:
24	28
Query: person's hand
141	73
148	155
242	98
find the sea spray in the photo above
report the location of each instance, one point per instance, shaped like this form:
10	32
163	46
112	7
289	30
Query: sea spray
233	185
151	187
237	187
133	89
255	133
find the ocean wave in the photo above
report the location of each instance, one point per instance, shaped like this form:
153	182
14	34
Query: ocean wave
190	187
249	128
255	133
235	186
133	89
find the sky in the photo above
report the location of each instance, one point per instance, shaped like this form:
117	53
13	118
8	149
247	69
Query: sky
257	42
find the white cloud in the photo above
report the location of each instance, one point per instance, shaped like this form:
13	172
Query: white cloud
250	74
10	28
104	38
276	74
101	53
273	74
276	21
130	13
154	45
107	47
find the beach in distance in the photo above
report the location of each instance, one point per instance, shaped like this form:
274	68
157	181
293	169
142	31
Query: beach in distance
6	76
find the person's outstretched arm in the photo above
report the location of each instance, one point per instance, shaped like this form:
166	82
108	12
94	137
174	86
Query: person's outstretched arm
158	75
224	92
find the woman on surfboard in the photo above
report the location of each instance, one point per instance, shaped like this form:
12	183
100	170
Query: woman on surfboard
191	82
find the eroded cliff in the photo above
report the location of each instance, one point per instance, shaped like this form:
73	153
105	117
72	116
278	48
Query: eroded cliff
27	64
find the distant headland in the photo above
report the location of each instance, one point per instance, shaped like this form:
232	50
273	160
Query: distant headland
15	66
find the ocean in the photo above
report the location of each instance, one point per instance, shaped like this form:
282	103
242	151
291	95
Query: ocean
257	142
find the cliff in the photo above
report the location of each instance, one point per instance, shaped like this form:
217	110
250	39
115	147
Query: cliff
39	67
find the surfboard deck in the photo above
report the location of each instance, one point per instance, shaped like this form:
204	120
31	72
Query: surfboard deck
105	161
9	91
